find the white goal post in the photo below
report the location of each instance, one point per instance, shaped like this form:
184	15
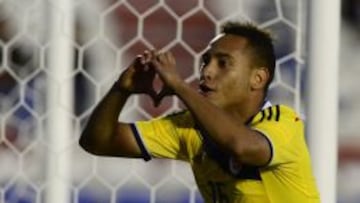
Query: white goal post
322	105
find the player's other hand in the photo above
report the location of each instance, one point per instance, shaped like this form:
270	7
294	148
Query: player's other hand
165	65
138	77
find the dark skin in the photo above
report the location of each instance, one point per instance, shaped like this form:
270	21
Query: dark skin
231	89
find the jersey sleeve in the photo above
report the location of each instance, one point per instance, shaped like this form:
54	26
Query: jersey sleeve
163	137
284	130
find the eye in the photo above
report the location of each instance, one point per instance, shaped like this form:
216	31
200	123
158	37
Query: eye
205	59
222	63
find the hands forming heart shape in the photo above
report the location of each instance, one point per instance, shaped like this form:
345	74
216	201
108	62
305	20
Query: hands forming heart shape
139	77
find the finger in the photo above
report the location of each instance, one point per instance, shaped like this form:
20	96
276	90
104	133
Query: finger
171	58
147	56
153	53
152	56
163	93
168	54
151	72
142	59
155	62
153	96
138	62
160	57
138	59
158	99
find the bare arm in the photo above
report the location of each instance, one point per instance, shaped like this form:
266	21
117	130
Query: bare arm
103	134
244	144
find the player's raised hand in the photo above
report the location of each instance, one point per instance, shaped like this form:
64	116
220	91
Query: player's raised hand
138	77
165	65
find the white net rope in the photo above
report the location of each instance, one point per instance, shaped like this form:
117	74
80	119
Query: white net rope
108	35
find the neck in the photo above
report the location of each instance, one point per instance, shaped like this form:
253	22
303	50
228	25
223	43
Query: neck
243	112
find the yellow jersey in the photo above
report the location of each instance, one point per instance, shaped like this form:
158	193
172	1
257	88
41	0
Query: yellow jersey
287	178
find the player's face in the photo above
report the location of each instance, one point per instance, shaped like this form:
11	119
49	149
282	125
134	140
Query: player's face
226	71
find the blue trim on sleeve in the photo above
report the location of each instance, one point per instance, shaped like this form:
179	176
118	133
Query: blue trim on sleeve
271	148
145	154
223	159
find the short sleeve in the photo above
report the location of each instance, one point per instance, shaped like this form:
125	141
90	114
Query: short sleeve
163	137
284	131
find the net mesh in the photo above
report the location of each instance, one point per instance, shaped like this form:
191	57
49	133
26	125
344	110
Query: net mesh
108	35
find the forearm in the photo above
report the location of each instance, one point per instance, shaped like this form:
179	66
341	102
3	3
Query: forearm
102	123
218	124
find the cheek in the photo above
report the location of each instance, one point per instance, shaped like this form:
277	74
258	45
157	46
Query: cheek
233	88
237	84
237	89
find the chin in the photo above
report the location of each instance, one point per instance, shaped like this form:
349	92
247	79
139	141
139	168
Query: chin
212	100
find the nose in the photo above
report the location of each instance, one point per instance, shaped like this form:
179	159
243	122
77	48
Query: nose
207	71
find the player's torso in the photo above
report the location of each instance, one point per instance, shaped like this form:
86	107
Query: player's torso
221	184
221	180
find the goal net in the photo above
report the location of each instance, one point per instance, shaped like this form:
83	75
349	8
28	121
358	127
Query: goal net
108	34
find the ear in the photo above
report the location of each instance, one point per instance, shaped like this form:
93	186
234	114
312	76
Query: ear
259	78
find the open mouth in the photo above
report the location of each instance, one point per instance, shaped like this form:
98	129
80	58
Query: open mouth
204	89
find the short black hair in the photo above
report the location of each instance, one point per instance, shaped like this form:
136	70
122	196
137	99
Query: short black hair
260	43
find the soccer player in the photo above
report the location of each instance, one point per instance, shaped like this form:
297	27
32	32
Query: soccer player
241	148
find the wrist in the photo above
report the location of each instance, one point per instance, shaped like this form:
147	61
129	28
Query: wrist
180	86
116	87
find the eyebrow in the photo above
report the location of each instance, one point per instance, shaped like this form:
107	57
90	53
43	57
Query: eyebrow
222	55
217	54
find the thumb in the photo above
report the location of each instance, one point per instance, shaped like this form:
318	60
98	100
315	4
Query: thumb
166	91
153	96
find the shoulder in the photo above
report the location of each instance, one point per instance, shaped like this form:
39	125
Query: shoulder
279	123
277	113
179	118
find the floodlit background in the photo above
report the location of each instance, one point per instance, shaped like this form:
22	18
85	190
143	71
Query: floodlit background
106	36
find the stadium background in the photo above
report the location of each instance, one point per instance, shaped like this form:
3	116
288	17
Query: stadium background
107	35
